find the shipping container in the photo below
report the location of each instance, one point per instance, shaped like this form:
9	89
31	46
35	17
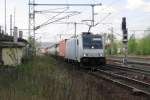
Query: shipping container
62	48
52	50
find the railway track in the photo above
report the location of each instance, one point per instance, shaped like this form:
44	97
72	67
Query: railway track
128	68
136	86
130	61
136	66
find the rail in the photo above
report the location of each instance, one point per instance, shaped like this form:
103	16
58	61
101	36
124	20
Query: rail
135	85
130	61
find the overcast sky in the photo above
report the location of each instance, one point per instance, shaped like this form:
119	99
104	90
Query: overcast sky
137	13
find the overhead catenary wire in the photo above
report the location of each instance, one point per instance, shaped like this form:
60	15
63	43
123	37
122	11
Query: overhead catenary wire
51	10
109	13
67	16
36	4
41	12
54	17
114	1
54	9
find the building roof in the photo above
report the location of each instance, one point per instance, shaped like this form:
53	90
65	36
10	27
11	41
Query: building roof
7	41
6	38
11	44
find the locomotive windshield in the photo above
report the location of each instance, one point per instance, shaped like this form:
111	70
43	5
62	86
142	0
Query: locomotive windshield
92	42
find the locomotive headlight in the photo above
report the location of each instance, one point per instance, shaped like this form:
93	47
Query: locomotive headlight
100	54
85	54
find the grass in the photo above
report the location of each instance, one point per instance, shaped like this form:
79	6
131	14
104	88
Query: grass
27	80
136	47
44	78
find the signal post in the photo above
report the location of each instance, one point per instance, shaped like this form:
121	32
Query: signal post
125	40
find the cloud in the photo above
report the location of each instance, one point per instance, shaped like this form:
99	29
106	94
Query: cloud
138	5
106	9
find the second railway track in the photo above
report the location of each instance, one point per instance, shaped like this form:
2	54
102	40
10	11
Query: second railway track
135	85
138	87
128	68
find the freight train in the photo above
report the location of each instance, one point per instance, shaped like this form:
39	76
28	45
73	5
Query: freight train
85	49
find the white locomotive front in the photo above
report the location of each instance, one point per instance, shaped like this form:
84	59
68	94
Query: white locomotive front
87	49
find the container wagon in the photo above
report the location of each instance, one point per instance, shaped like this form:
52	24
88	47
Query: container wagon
85	49
52	50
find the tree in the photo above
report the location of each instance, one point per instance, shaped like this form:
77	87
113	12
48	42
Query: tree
145	45
132	45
